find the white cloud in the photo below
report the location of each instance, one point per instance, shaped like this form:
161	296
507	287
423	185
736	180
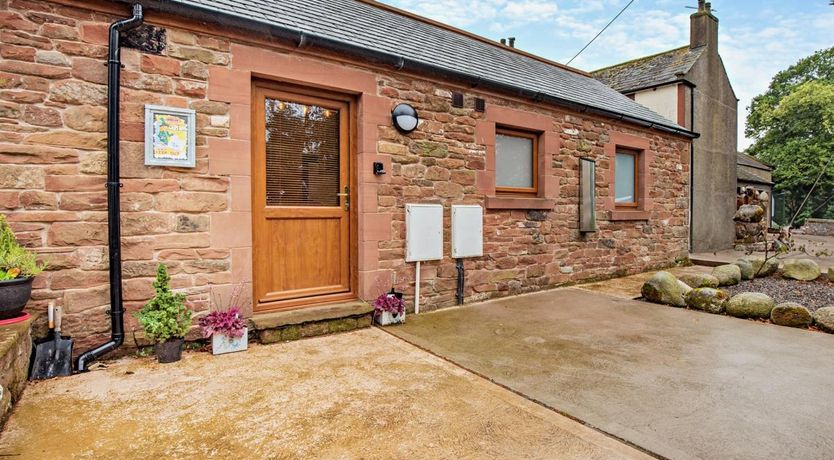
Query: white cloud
755	43
501	14
529	10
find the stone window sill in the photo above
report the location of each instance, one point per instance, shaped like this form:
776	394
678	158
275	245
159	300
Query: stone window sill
512	202
631	214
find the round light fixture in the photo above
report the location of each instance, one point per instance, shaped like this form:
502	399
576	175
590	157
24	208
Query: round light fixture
405	118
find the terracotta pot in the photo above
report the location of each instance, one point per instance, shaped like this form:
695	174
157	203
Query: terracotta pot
13	296
169	351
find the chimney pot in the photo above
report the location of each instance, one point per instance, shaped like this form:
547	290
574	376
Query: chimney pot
503	41
703	27
512	42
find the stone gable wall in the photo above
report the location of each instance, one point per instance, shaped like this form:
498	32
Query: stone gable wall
198	221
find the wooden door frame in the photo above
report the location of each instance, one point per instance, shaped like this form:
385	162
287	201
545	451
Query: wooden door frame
353	227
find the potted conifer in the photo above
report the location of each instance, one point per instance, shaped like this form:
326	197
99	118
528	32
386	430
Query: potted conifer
18	267
165	319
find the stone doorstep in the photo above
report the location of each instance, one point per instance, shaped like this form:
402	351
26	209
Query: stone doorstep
288	325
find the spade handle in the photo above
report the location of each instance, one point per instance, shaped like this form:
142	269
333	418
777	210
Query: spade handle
50	314
58	314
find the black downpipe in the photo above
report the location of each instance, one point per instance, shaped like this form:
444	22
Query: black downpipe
691	168
114	237
461	281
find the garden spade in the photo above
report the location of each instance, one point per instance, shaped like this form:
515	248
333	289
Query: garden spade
52	356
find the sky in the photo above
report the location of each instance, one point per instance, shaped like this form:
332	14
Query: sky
756	38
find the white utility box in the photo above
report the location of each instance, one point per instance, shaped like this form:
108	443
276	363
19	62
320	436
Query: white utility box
467	231
423	232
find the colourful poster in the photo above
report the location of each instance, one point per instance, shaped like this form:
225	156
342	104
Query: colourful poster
170	137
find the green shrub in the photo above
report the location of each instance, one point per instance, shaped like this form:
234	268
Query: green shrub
165	316
15	260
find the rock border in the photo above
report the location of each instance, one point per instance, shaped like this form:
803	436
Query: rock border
749	305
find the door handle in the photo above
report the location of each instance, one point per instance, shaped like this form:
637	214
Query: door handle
346	194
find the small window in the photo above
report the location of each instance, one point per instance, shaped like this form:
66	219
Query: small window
626	178
516	157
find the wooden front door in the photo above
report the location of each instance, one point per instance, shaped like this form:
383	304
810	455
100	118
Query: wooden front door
301	198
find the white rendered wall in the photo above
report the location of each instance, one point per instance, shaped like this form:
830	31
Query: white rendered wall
663	100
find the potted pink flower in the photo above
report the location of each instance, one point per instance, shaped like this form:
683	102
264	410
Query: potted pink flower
389	308
226	327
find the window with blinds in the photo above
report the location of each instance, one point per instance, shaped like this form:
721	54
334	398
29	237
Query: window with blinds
302	154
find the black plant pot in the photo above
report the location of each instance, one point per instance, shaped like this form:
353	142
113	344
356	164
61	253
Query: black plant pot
13	296
169	351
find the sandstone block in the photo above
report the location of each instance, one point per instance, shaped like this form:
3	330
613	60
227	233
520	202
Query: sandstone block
191	202
77	234
78	92
15	176
41	116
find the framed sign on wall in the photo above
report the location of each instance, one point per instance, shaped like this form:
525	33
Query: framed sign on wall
169	136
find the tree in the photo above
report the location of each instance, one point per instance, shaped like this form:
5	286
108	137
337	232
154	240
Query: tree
793	127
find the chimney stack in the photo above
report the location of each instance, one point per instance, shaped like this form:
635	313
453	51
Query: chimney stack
703	27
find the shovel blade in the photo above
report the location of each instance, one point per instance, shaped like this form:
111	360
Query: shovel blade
51	358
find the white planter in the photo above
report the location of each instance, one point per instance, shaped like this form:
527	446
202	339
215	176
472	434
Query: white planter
386	318
221	343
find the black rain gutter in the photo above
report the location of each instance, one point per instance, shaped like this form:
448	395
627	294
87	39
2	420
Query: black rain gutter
307	40
117	309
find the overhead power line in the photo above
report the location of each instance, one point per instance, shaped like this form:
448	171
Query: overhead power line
600	32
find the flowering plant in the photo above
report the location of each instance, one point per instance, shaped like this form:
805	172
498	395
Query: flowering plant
227	322
390	303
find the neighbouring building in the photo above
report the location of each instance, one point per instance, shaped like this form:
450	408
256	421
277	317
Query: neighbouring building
293	108
690	86
755	177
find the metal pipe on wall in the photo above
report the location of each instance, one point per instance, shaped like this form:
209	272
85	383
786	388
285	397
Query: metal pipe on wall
113	185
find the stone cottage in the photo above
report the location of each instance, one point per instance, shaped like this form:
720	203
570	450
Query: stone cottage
689	85
292	103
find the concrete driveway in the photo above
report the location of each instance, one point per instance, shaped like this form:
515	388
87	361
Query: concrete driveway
363	394
678	383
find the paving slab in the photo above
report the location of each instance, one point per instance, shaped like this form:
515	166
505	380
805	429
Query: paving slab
364	394
817	248
678	383
628	287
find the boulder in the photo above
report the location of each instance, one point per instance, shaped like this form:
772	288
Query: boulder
824	319
663	288
698	280
749	213
800	269
791	314
750	305
707	299
727	275
746	268
685	288
762	268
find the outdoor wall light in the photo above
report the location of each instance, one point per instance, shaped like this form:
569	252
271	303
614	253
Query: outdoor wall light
405	118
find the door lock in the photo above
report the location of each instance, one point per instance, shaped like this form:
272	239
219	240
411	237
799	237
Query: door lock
347	197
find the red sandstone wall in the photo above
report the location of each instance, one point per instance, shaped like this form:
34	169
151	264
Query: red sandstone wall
198	221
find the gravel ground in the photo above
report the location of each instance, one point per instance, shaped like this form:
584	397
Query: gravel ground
811	294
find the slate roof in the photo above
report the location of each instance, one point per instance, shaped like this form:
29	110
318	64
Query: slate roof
657	69
364	25
747	160
746	175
